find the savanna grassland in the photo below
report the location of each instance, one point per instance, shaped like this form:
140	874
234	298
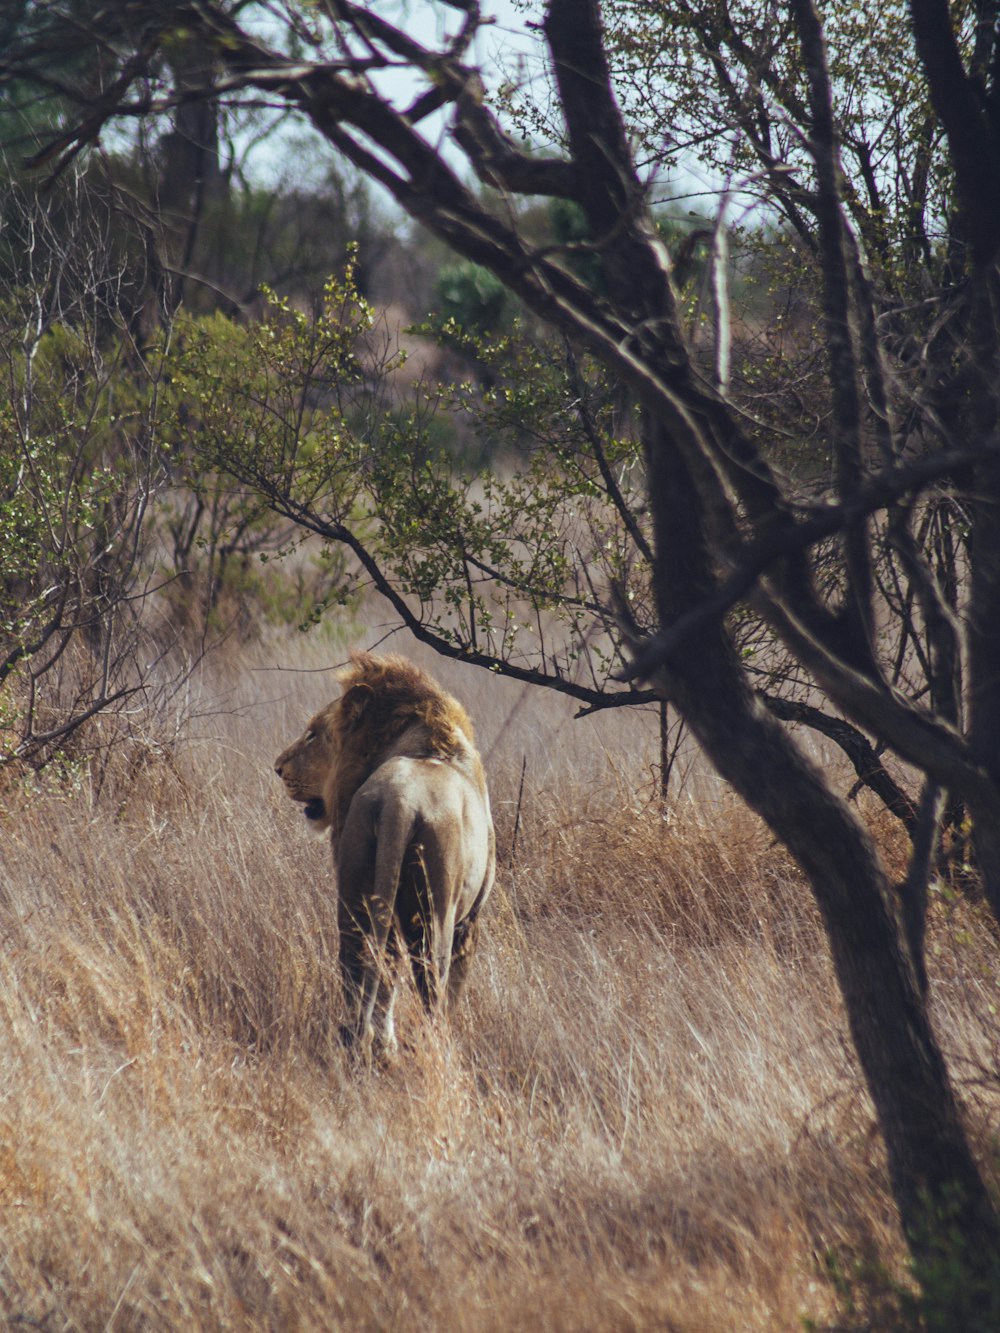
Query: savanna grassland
645	1115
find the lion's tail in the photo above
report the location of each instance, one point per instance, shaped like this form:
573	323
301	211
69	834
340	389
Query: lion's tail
411	874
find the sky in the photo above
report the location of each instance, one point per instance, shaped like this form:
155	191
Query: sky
504	50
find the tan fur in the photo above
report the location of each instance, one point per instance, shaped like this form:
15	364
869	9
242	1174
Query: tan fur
390	767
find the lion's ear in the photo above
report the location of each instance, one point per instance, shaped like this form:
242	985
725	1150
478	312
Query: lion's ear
353	706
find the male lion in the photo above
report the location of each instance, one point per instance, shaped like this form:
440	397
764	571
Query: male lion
391	770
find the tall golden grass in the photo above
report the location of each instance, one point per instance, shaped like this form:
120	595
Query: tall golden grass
645	1115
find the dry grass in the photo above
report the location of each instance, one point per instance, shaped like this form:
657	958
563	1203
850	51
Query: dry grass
646	1114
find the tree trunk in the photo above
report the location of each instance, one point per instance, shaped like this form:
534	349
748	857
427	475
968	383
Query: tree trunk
983	625
935	1179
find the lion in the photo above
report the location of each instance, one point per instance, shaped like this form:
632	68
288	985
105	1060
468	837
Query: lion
391	769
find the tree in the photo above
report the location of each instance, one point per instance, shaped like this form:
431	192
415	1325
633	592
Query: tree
909	423
80	467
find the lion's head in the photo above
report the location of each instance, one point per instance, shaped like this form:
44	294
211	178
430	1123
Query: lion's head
305	766
385	703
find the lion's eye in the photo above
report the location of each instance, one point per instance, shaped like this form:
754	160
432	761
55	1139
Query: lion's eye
309	736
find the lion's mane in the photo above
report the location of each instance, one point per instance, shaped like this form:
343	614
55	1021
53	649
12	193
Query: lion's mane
387	705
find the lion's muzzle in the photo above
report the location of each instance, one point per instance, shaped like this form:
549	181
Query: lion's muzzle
315	806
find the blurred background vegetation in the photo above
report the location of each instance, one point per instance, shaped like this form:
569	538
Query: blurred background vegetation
206	338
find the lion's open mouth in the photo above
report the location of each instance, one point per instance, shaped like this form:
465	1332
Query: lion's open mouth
315	807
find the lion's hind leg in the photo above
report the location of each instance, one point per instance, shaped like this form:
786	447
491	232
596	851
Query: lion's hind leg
368	956
463	948
466	933
369	964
